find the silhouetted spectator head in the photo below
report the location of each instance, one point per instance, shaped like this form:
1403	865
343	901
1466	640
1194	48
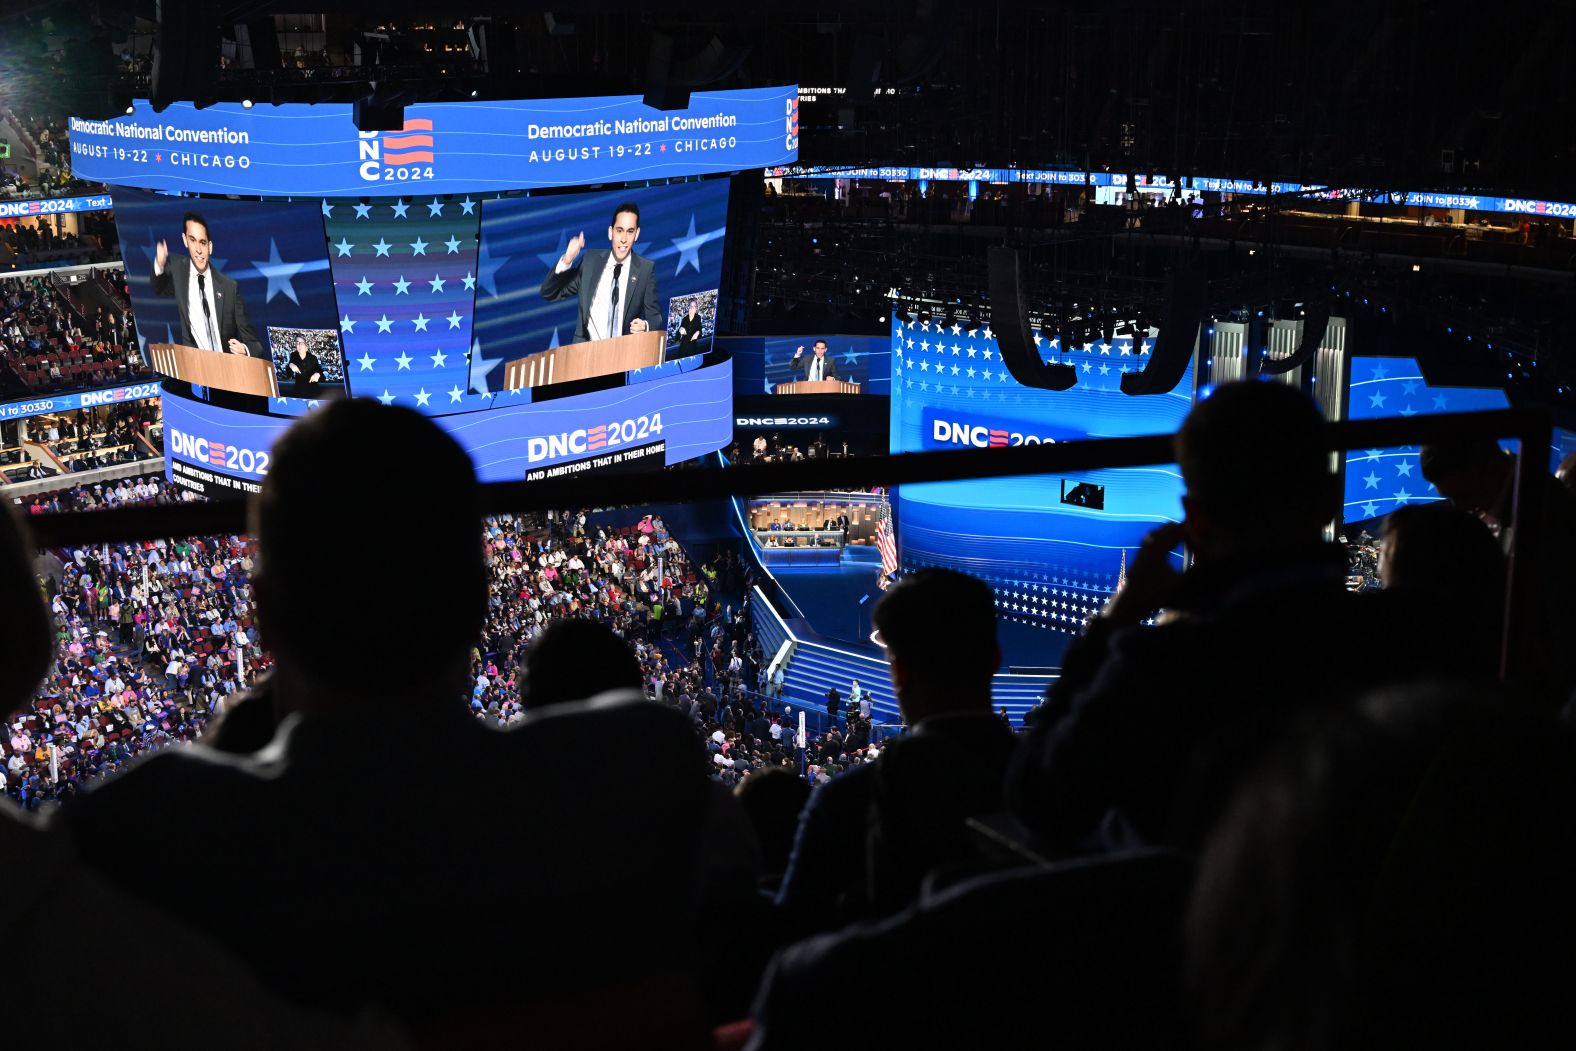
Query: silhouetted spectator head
1566	472
370	577
572	660
1442	550
772	799
1473	473
938	628
25	644
1397	876
1257	471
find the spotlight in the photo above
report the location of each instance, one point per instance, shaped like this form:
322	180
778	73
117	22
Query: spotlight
246	103
130	110
474	93
1416	267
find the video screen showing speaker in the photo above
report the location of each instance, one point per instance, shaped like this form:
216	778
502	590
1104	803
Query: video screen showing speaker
211	281
576	286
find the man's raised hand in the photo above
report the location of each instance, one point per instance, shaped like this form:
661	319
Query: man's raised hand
576	243
161	254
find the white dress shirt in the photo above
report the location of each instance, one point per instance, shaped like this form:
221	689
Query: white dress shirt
601	300
205	337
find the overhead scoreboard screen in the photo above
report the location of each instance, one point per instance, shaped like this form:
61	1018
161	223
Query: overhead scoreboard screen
1052	548
409	267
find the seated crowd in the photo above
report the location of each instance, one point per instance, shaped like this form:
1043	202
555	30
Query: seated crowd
46	346
1257	809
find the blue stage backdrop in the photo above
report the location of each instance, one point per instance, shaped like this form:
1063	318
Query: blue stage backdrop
1380	480
405	270
682	231
765	362
1050	563
300	150
274	251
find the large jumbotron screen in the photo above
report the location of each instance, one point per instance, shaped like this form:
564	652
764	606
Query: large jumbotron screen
562	331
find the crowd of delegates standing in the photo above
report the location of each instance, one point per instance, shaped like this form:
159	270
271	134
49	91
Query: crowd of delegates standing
151	639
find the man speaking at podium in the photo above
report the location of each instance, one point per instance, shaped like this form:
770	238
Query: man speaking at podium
819	366
212	314
618	296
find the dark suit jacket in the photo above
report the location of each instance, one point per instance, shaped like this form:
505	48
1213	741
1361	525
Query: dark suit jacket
1102	957
801	364
346	872
640	299
232	322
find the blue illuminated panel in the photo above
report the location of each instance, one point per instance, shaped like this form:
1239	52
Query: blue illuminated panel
298	150
1380	480
1050	563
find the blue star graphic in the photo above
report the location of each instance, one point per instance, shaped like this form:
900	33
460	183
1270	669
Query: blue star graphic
1409	387
689	247
278	273
1376	401
363	287
400	208
1373	454
437	283
382	247
1105	370
1439	401
1370	509
343	247
467	207
470	281
346	325
1381	372
769	388
386	398
363	210
452	244
481	367
439	359
1401	497
418	247
435	208
488	268
456	393
365	361
1408	411
328	209
420	321
404	361
1371	482
384	324
402	286
550	259
454	319
1404	468
851	358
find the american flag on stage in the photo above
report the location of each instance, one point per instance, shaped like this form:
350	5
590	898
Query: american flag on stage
887	542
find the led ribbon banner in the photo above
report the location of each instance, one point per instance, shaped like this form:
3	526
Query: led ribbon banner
299	150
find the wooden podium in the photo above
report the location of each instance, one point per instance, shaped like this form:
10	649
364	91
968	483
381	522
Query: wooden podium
818	387
232	372
582	361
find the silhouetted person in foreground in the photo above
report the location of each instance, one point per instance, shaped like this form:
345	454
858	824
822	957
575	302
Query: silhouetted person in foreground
1143	736
572	660
220	1005
867	839
1449	560
1396	876
1478	476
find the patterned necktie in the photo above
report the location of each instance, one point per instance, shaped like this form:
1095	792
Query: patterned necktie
612	310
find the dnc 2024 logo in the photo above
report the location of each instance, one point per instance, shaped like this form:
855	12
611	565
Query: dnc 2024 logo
397	156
